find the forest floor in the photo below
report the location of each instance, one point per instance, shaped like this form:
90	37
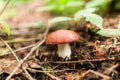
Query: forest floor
93	57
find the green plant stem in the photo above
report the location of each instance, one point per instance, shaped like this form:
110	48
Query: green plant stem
21	40
8	1
18	40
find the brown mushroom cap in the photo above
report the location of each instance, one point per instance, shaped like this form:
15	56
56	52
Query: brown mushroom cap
61	37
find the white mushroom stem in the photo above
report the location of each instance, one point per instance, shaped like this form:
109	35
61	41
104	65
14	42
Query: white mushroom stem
64	51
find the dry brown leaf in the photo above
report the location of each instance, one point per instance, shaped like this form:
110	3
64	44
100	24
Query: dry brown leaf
7	66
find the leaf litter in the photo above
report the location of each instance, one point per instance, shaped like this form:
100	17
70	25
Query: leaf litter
90	59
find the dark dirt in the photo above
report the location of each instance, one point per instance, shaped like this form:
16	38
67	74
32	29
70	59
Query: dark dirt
93	57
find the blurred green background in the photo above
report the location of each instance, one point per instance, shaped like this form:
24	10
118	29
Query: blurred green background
64	7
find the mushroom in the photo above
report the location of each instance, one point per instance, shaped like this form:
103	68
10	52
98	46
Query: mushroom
62	38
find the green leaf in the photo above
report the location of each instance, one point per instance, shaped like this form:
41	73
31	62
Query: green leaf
117	5
5	27
60	19
63	1
101	5
109	32
83	12
96	3
61	25
95	19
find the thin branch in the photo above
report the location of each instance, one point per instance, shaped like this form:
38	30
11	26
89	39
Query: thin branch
111	69
23	48
50	71
79	61
105	77
27	74
47	29
14	54
47	73
50	75
8	1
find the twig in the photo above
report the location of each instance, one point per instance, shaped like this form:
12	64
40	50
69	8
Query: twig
50	71
50	75
23	48
24	59
114	44
14	54
47	29
111	69
96	73
8	1
26	47
79	61
27	74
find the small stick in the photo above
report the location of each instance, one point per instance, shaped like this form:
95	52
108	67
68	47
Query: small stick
108	71
51	71
27	74
8	1
97	73
47	29
14	54
48	74
79	61
23	48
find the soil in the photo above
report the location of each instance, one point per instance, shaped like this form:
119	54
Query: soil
93	57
